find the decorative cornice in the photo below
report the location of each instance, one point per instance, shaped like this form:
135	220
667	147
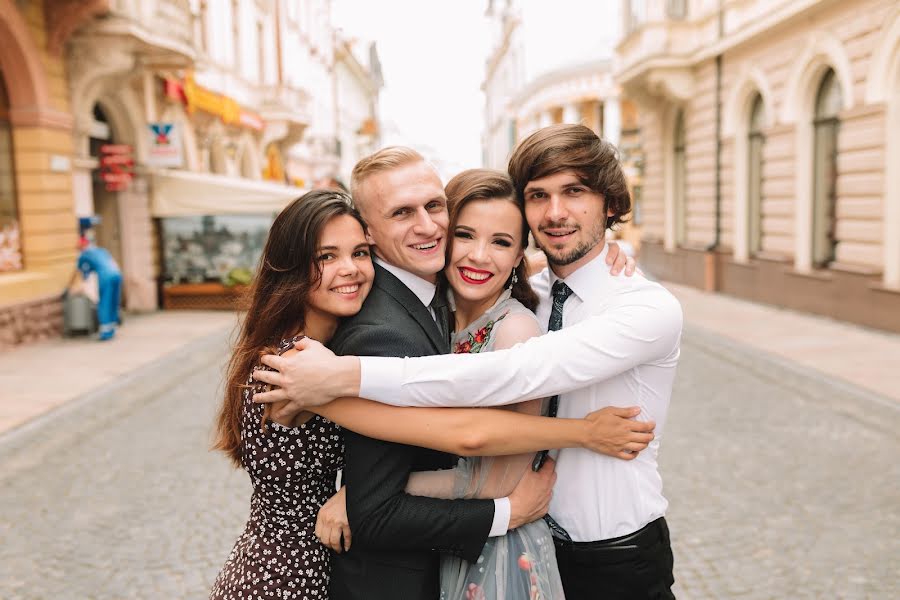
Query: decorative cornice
40	116
581	82
63	17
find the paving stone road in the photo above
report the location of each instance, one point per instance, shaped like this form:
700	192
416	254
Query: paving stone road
781	486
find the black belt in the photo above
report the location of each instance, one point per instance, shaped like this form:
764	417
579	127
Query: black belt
645	536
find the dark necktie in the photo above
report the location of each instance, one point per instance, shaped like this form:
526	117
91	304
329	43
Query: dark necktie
560	293
441	314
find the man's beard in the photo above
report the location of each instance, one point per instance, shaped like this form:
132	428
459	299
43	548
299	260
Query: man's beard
577	253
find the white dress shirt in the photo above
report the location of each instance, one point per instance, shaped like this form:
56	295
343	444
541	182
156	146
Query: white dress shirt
424	290
619	346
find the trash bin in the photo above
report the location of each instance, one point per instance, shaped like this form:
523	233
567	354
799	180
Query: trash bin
79	314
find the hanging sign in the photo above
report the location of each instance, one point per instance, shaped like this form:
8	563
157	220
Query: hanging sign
196	97
165	148
116	165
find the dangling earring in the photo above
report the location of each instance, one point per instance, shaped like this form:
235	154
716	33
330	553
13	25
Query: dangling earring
514	280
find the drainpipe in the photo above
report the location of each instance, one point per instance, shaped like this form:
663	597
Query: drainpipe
711	263
278	53
336	104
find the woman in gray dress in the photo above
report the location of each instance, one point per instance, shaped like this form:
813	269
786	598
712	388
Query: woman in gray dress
493	305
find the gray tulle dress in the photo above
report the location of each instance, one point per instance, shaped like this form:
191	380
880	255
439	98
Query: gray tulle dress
522	564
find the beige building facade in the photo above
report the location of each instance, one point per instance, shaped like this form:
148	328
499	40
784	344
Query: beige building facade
38	231
527	88
770	169
185	125
525	91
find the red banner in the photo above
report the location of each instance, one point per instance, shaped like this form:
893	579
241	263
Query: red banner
116	162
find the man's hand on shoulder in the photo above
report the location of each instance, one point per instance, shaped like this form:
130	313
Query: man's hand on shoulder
618	260
311	377
531	499
614	432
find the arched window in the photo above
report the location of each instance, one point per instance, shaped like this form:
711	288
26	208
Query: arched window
755	143
826	125
680	179
10	241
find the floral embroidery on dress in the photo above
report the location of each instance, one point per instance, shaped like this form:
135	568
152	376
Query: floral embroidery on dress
520	565
476	341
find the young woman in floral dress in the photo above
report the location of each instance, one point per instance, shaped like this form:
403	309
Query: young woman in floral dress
315	269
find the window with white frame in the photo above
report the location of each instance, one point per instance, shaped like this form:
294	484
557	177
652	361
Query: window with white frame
635	14
679	181
261	42
826	126
676	9
236	34
755	143
10	243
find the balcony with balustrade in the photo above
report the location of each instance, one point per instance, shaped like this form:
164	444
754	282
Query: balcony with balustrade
161	32
665	39
286	109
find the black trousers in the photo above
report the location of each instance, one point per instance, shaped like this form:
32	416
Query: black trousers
637	566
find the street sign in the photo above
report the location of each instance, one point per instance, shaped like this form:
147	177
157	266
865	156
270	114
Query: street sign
115	149
116	159
165	148
115	166
115	177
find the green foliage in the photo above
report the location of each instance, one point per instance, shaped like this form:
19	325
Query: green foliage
238	276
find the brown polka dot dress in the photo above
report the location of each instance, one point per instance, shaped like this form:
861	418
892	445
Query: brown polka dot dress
293	471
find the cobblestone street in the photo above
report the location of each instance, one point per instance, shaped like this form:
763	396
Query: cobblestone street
780	485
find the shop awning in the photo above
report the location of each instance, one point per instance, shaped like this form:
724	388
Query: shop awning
184	193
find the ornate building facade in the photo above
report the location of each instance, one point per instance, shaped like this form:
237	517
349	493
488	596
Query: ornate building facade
185	125
38	232
769	161
525	89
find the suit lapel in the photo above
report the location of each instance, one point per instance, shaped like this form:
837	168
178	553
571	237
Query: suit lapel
392	286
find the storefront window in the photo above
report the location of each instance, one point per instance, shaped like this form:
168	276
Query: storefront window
222	248
10	240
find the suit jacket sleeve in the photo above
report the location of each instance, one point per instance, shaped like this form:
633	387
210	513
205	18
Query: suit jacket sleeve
381	514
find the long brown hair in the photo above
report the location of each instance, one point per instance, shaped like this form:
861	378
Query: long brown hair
475	185
288	271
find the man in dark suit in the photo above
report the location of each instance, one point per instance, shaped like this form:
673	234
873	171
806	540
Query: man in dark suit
397	537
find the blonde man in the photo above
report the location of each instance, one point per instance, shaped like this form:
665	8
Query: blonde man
396	537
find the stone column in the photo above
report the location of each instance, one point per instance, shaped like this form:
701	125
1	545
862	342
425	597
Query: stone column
612	121
135	224
571	113
545	118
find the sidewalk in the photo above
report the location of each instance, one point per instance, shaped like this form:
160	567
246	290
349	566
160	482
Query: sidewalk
866	358
38	378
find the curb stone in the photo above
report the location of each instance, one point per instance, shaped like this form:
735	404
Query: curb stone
102	406
866	406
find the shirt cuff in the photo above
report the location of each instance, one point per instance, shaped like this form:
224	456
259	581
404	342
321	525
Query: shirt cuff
380	379
501	517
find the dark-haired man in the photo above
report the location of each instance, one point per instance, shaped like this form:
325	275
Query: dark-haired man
618	345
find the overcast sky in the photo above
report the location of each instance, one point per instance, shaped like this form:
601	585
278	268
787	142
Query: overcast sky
433	55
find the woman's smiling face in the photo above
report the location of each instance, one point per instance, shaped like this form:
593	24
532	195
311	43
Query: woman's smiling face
346	267
486	245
